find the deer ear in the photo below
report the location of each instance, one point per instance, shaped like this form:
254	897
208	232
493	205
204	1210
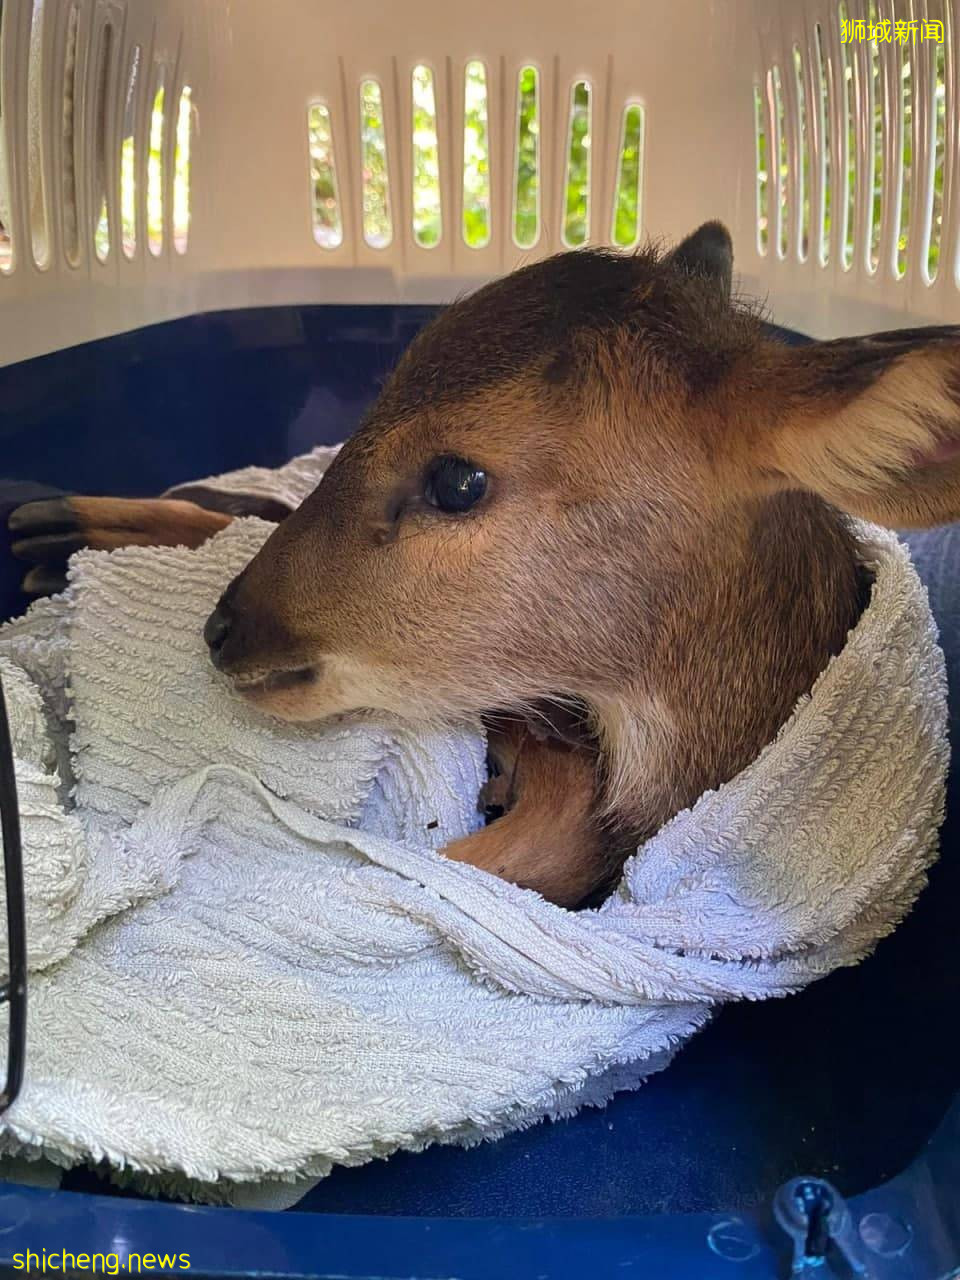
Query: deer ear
707	253
871	424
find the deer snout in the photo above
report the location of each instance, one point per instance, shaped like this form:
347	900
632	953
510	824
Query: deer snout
246	637
248	644
240	631
215	632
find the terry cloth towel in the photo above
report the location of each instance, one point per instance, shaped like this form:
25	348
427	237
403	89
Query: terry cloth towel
241	492
287	975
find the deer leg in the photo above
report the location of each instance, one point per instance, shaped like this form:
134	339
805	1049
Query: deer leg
549	839
49	531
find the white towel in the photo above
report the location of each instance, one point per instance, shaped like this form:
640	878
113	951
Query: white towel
288	485
149	709
286	993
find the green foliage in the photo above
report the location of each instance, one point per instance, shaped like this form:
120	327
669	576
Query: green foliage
327	227
763	183
805	152
839	185
939	139
426	161
181	170
851	174
827	140
936	230
576	217
526	209
783	165
906	86
477	218
626	208
155	174
476	157
128	194
377	224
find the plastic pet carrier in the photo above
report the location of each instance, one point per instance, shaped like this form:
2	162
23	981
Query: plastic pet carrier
221	223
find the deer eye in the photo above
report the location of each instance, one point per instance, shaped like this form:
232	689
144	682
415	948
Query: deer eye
453	484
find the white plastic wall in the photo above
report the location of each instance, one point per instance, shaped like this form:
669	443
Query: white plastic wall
864	117
254	68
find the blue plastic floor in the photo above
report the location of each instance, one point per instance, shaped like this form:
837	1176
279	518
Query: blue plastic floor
847	1080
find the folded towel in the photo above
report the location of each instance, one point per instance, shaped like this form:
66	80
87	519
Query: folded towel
119	660
239	491
287	975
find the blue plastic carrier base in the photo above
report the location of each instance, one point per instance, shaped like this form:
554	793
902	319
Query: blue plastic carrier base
850	1087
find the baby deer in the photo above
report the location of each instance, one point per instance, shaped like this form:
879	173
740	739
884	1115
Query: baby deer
596	504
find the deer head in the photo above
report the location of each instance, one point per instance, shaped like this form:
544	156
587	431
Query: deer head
597	481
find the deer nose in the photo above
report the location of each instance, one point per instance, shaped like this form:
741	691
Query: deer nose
215	633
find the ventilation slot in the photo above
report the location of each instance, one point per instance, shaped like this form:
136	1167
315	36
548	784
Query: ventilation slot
128	160
782	164
476	157
6	222
101	234
327	223
68	158
576	211
865	129
427	224
181	170
760	132
626	200
906	156
36	184
939	129
377	222
848	115
155	166
526	181
876	147
824	212
803	170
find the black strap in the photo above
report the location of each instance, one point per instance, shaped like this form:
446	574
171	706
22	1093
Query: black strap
14	990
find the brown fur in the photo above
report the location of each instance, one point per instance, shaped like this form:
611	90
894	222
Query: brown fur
660	541
550	794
